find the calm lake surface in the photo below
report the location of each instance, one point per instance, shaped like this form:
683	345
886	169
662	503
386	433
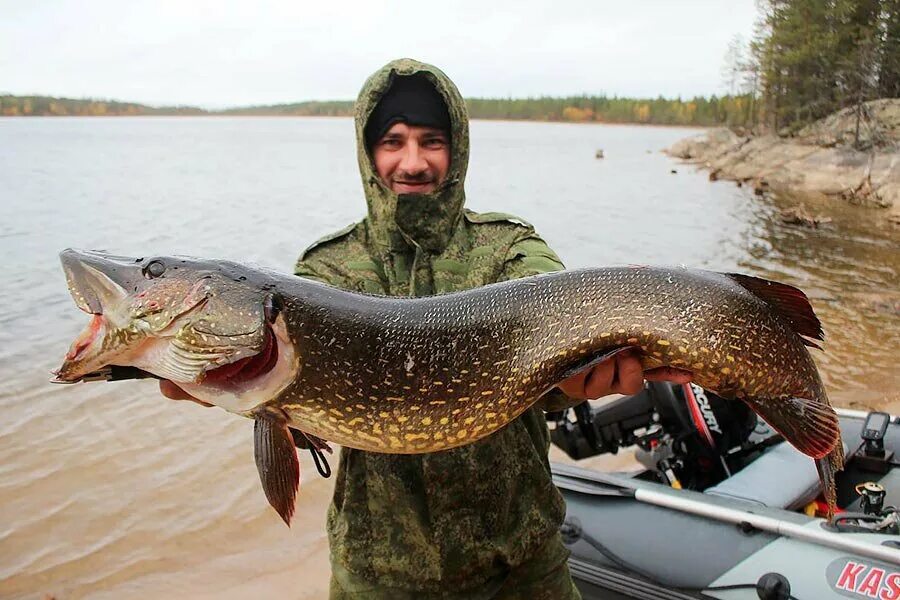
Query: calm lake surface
110	491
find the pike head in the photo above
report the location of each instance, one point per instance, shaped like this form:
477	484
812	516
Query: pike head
214	328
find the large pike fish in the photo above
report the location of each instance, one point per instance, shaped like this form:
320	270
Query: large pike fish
404	375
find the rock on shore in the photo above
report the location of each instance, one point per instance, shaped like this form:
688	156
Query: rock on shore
819	161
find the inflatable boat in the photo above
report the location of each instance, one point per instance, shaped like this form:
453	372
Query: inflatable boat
722	506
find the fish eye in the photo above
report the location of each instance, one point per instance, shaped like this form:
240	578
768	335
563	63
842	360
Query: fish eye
154	269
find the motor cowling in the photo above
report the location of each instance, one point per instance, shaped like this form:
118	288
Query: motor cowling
721	424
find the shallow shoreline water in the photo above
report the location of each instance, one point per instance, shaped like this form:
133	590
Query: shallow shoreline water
819	163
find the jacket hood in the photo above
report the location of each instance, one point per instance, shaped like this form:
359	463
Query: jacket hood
398	222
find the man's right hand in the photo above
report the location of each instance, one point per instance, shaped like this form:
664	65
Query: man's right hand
621	374
173	392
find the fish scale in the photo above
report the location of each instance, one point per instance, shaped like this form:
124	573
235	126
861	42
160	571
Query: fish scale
416	375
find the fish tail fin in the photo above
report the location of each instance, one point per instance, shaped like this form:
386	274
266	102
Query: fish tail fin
813	428
828	466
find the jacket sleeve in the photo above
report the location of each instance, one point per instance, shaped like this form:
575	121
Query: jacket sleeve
311	269
323	261
531	255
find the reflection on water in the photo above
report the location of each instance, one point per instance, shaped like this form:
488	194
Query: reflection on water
850	268
109	491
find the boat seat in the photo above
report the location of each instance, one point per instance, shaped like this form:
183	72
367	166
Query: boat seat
783	477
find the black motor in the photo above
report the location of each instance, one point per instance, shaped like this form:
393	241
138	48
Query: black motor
688	436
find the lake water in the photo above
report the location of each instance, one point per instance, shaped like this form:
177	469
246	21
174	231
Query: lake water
109	491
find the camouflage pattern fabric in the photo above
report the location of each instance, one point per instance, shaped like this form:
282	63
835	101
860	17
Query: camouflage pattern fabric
480	521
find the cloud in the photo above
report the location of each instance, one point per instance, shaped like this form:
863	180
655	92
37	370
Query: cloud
218	54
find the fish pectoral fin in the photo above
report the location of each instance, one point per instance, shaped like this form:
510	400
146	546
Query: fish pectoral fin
595	359
811	427
277	463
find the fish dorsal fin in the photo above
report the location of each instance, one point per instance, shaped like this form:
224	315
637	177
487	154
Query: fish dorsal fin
789	302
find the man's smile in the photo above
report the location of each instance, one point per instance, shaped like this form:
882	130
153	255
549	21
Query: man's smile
417	187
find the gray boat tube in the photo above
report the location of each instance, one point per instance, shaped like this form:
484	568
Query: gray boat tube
839	541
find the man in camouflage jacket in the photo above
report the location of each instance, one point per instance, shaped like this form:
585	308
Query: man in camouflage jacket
480	521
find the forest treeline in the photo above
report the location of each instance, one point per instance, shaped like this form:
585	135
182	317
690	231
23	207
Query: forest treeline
811	58
806	59
661	111
14	106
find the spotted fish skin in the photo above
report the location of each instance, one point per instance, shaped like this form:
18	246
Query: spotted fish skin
427	374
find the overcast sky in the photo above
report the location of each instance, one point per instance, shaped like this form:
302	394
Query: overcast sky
227	53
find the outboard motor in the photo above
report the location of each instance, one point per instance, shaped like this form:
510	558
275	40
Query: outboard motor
689	437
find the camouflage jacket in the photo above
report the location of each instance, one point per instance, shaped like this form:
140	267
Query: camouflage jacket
457	518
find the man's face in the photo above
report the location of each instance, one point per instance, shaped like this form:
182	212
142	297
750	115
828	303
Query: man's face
412	159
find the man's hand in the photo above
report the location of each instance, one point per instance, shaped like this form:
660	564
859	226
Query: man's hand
173	392
621	374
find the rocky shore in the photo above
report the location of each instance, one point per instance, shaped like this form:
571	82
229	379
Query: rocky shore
822	160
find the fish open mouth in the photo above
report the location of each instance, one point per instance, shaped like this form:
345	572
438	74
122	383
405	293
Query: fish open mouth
86	338
79	359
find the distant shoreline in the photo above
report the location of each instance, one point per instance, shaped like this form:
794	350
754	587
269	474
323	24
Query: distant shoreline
662	112
283	116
